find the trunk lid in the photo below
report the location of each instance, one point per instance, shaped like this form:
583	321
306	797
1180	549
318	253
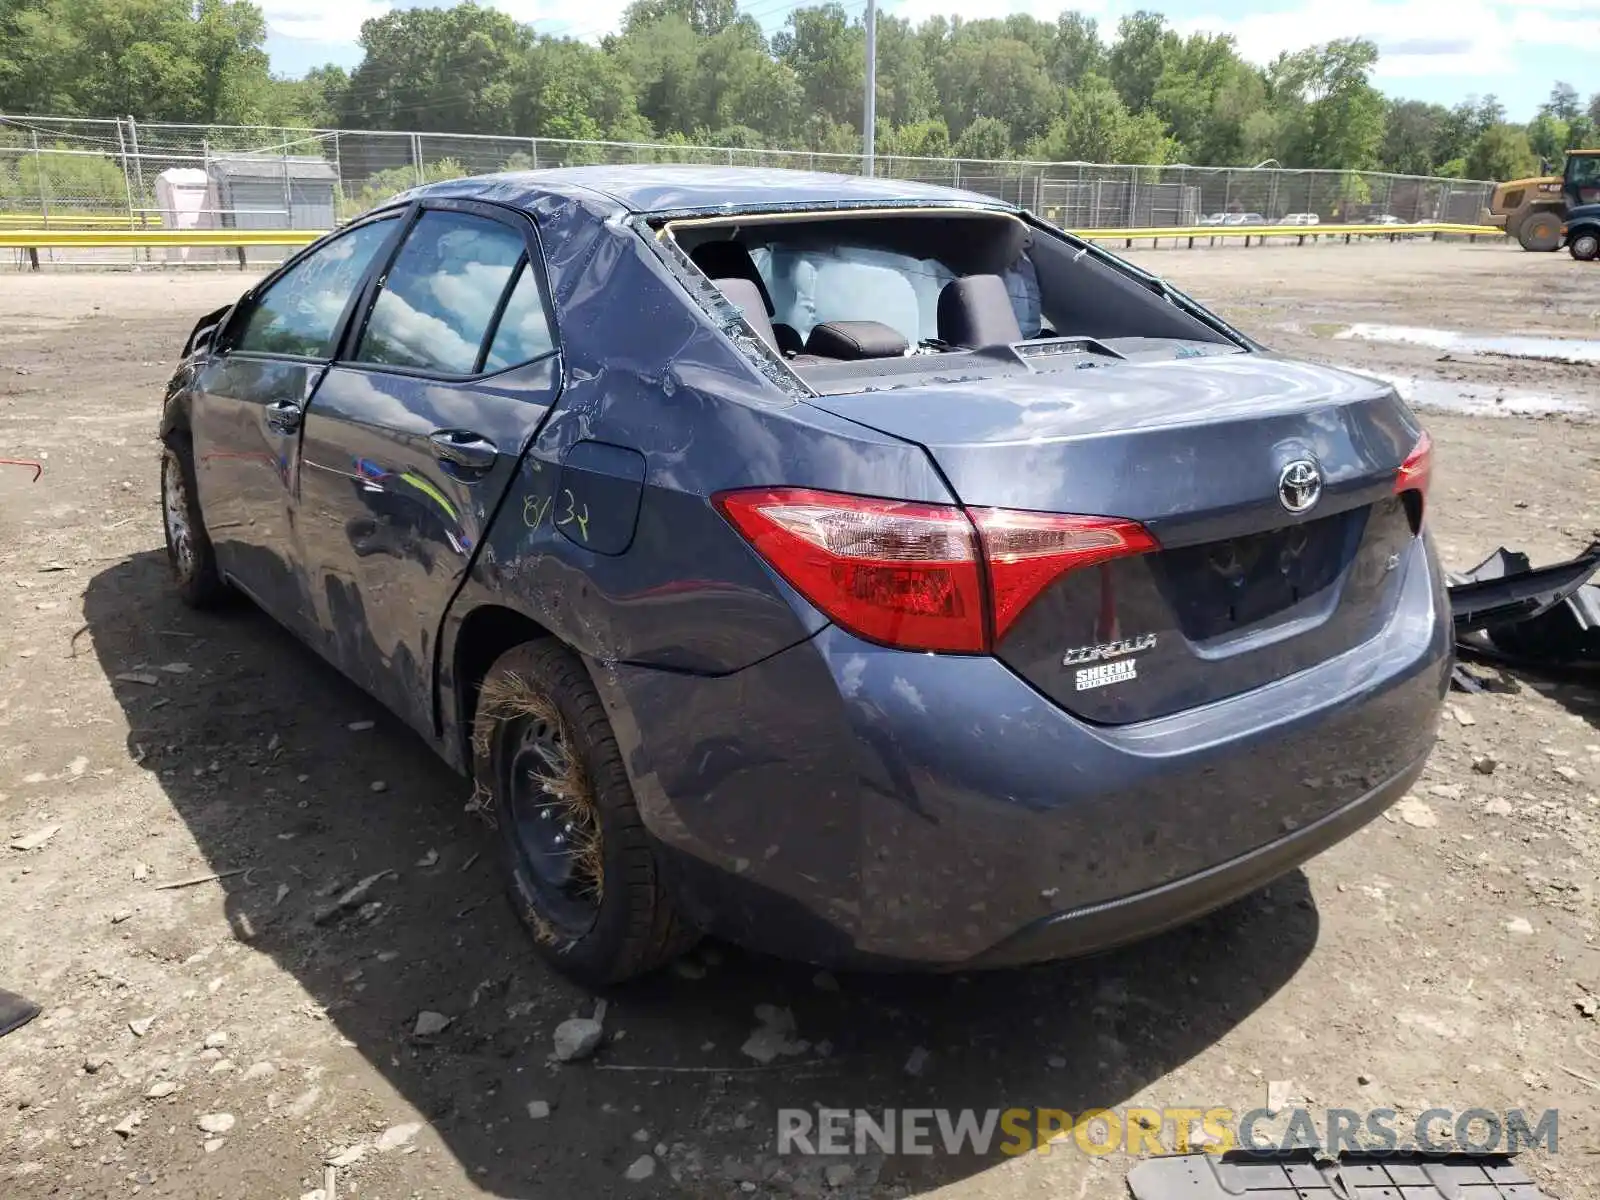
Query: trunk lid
1242	591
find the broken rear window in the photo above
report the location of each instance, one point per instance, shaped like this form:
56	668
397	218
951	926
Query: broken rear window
840	297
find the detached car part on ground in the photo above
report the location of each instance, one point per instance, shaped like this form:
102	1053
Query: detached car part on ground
855	569
1306	1175
1546	618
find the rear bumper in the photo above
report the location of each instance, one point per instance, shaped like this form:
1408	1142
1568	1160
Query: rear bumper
844	803
1117	922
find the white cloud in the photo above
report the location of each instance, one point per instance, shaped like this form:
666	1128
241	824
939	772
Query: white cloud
917	11
1416	37
586	19
326	22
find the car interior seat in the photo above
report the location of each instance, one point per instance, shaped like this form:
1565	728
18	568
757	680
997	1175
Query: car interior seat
975	311
747	296
725	260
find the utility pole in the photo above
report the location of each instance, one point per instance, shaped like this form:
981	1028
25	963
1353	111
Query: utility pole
869	117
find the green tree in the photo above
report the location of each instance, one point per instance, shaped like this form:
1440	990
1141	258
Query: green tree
313	101
1411	134
1097	127
156	60
828	56
1000	78
663	61
706	17
1563	103
1500	153
1139	57
1078	50
924	139
986	137
1547	138
568	89
742	85
1581	133
1342	121
906	92
438	69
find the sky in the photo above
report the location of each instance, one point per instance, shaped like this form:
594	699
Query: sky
1435	50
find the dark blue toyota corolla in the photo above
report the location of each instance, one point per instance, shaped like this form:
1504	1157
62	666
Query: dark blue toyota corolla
859	570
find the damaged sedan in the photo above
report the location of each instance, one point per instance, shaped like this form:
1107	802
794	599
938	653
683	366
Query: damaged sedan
858	570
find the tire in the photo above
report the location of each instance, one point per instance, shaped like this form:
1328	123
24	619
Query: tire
1585	246
189	551
581	867
1540	231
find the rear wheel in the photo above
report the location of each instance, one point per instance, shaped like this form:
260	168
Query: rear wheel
581	866
1585	246
189	549
1540	231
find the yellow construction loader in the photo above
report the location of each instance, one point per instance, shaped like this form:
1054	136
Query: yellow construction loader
1533	210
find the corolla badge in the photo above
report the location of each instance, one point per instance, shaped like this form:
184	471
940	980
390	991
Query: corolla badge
1299	485
1113	658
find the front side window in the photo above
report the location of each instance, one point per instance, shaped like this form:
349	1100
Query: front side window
299	313
435	307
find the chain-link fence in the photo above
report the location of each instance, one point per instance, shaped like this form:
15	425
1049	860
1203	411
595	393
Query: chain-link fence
73	172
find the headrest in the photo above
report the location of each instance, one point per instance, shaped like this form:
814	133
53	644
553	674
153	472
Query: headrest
730	260
856	339
747	297
975	311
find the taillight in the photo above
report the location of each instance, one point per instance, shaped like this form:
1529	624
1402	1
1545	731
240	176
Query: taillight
1417	470
910	575
1028	551
1411	481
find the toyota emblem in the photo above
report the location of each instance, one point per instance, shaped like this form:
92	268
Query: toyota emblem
1299	485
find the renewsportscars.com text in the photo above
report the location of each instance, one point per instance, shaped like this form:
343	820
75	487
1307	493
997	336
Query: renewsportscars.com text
1013	1131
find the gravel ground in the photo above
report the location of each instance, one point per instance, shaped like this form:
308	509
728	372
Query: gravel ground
216	1039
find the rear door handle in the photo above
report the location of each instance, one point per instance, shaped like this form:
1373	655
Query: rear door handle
283	416
462	448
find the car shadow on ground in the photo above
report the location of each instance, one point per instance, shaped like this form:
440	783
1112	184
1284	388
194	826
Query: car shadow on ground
253	749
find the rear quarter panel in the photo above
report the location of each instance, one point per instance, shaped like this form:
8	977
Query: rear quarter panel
658	411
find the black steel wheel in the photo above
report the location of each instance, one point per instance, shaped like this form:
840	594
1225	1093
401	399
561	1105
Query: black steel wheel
189	549
581	867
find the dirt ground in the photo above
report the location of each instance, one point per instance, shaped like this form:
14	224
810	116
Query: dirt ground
1445	956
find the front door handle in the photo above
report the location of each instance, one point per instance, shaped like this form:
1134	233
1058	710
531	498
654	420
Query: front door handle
462	448
283	416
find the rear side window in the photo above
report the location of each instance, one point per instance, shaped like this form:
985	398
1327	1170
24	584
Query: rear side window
299	313
440	297
524	330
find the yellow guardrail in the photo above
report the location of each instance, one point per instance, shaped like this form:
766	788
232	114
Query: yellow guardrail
35	240
46	239
68	219
238	240
1192	232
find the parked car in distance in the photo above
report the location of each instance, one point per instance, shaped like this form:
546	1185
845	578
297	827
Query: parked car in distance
1581	232
1215	218
1249	218
1301	219
856	569
1385	219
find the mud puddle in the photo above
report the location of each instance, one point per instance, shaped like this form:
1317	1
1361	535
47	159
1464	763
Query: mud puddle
1480	400
1546	349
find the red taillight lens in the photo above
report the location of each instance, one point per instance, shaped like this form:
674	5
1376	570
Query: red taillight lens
894	572
1417	470
1029	551
909	575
